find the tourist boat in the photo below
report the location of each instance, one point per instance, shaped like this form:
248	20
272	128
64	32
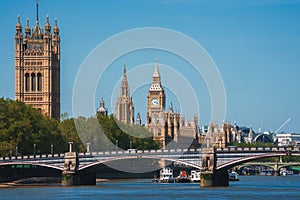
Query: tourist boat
195	176
233	176
182	178
166	175
285	172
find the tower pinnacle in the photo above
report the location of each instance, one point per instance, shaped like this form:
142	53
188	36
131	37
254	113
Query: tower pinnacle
156	72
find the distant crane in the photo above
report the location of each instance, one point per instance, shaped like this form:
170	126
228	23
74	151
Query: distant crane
287	121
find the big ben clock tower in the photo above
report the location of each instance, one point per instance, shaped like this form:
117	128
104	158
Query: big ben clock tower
156	94
156	118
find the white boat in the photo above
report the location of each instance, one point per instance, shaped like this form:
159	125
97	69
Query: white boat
285	172
233	176
195	176
166	175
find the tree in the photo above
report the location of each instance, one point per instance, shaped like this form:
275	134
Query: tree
25	127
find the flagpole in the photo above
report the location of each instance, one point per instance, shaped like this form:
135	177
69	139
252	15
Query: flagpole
37	10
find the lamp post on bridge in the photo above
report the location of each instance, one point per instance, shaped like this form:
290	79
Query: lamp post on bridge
16	151
70	146
52	150
116	146
130	144
88	147
34	150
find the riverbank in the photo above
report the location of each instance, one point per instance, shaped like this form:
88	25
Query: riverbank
34	181
39	181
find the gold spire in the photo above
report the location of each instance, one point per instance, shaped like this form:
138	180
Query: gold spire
47	26
55	29
27	29
19	26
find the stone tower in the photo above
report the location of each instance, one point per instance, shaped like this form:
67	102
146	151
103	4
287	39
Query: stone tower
156	116
102	110
156	94
168	127
124	105
37	67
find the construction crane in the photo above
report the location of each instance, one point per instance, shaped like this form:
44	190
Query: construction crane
287	121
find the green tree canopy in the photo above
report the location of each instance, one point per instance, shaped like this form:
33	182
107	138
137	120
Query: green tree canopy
23	126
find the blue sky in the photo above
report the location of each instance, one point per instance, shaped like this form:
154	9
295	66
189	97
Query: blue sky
255	45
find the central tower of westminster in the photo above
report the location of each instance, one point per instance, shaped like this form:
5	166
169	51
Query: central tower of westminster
37	66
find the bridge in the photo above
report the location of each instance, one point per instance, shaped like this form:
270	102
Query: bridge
275	166
78	168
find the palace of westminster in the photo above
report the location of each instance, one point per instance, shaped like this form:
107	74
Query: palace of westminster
37	83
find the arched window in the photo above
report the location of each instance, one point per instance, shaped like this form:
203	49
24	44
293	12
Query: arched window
39	80
33	82
27	82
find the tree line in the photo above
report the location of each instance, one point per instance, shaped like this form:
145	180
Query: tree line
25	130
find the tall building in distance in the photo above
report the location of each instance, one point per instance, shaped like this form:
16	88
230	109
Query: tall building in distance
102	110
124	106
37	66
167	126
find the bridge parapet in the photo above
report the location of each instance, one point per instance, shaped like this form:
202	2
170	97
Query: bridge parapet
258	149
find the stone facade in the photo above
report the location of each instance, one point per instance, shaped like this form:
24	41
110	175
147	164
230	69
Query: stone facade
124	106
218	136
37	67
167	126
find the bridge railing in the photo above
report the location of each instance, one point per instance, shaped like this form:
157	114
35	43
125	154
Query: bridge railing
281	149
158	151
32	157
99	153
136	151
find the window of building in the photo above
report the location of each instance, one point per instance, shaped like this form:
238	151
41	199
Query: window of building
39	79
33	82
27	82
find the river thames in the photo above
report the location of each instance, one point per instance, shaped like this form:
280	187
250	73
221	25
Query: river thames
249	187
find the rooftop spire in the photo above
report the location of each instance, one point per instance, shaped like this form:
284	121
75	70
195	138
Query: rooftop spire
27	29
18	25
156	72
55	30
47	26
171	107
124	74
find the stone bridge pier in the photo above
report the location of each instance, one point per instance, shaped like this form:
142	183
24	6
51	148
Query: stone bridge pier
71	176
211	177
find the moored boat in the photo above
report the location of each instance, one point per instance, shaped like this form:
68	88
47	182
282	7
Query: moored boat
233	176
166	175
195	176
182	178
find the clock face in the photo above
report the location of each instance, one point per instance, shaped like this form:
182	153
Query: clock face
154	101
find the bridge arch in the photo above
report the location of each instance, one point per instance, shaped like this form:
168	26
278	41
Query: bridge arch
239	161
143	157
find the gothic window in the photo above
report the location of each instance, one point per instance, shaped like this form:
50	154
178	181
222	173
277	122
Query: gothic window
27	82
159	132
33	82
39	80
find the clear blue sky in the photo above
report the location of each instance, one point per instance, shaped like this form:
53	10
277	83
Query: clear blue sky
255	45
